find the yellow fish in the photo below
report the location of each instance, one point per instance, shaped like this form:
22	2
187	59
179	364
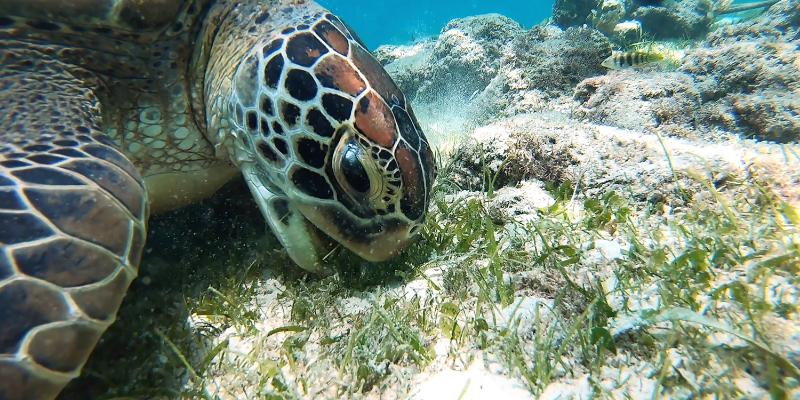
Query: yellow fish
631	59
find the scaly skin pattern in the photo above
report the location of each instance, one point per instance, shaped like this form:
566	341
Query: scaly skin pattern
111	110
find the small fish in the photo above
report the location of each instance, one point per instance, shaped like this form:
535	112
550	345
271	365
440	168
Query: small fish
631	59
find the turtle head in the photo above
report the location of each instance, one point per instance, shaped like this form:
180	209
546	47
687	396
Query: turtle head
319	122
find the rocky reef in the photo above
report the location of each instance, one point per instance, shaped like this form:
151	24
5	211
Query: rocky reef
568	13
743	79
535	96
487	66
678	19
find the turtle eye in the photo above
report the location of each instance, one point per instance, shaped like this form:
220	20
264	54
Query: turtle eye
353	170
357	173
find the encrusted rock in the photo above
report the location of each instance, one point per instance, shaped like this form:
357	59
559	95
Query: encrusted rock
750	87
627	32
555	60
469	51
639	100
679	19
745	79
608	14
513	202
551	148
516	149
748	75
567	13
782	20
487	66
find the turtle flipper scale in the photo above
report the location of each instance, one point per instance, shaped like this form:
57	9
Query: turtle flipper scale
73	212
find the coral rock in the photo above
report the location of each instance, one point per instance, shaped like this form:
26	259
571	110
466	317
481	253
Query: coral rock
639	100
567	13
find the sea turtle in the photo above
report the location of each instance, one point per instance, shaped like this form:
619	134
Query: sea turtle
113	110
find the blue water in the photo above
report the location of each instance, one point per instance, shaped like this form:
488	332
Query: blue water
398	22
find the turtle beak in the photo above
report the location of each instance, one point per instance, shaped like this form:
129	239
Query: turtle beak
376	239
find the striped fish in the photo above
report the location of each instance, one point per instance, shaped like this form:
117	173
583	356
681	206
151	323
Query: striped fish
631	59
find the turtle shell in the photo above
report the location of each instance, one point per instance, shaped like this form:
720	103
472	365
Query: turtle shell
99	15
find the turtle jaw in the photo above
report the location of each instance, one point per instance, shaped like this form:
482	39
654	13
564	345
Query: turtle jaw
309	229
375	239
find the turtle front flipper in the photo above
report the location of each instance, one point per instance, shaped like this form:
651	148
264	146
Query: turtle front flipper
72	224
